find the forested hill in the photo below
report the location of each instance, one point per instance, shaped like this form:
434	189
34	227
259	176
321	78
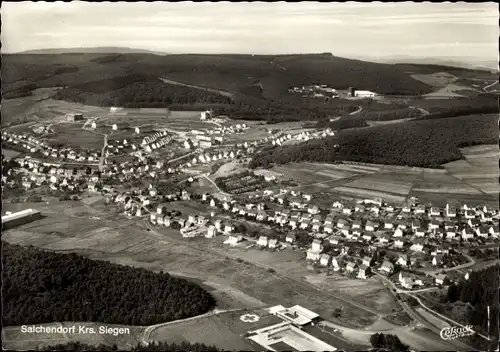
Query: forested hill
43	287
426	143
259	83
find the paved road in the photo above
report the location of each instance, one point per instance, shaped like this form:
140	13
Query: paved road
418	317
215	185
221	92
490	85
360	108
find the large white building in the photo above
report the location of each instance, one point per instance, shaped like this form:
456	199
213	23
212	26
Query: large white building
20	218
364	94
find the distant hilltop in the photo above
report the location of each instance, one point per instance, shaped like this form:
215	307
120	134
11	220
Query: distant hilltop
97	50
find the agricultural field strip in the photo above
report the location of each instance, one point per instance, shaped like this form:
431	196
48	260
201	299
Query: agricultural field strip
388	185
368	193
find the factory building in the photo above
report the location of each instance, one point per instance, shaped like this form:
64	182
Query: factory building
20	218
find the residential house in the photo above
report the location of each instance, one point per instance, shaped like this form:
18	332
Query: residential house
417	247
388	224
470	214
387	267
347	211
368	236
304	224
441	279
337	205
433	225
273	243
356	224
367	261
404	260
482	231
316	226
317	246
313	209
420	232
262	241
398	233
350	267
211	232
363	272
370	226
415	224
317	219
383	239
335	264
420	209
451	213
290	238
313	255
234	239
324	259
434	211
398	243
228	228
406	208
467	234
261	215
341	223
328	228
406	281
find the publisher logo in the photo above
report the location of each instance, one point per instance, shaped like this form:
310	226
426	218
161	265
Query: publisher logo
453	332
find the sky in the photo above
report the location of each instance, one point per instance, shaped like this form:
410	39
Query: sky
468	31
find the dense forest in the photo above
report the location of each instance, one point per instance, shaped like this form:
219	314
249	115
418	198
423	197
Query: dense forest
42	287
152	347
258	83
480	291
428	143
136	91
389	342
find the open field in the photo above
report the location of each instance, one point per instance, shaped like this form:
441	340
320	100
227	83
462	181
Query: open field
242	283
9	153
14	339
473	180
223	330
72	135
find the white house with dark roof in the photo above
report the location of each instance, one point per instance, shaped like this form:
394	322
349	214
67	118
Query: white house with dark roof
387	267
290	238
324	259
350	267
262	241
363	272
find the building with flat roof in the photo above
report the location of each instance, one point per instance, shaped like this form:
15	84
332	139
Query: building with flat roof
286	336
20	218
297	315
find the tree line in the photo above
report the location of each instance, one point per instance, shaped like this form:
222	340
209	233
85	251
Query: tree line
154	346
388	342
480	291
42	287
428	143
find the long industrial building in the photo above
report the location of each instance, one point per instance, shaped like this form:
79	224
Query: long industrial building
20	218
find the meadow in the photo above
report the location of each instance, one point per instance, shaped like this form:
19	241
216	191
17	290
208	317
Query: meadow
473	180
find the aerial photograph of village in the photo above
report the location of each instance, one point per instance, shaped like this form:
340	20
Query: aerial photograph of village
250	176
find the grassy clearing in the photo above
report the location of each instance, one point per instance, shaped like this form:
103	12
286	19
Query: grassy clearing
222	330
